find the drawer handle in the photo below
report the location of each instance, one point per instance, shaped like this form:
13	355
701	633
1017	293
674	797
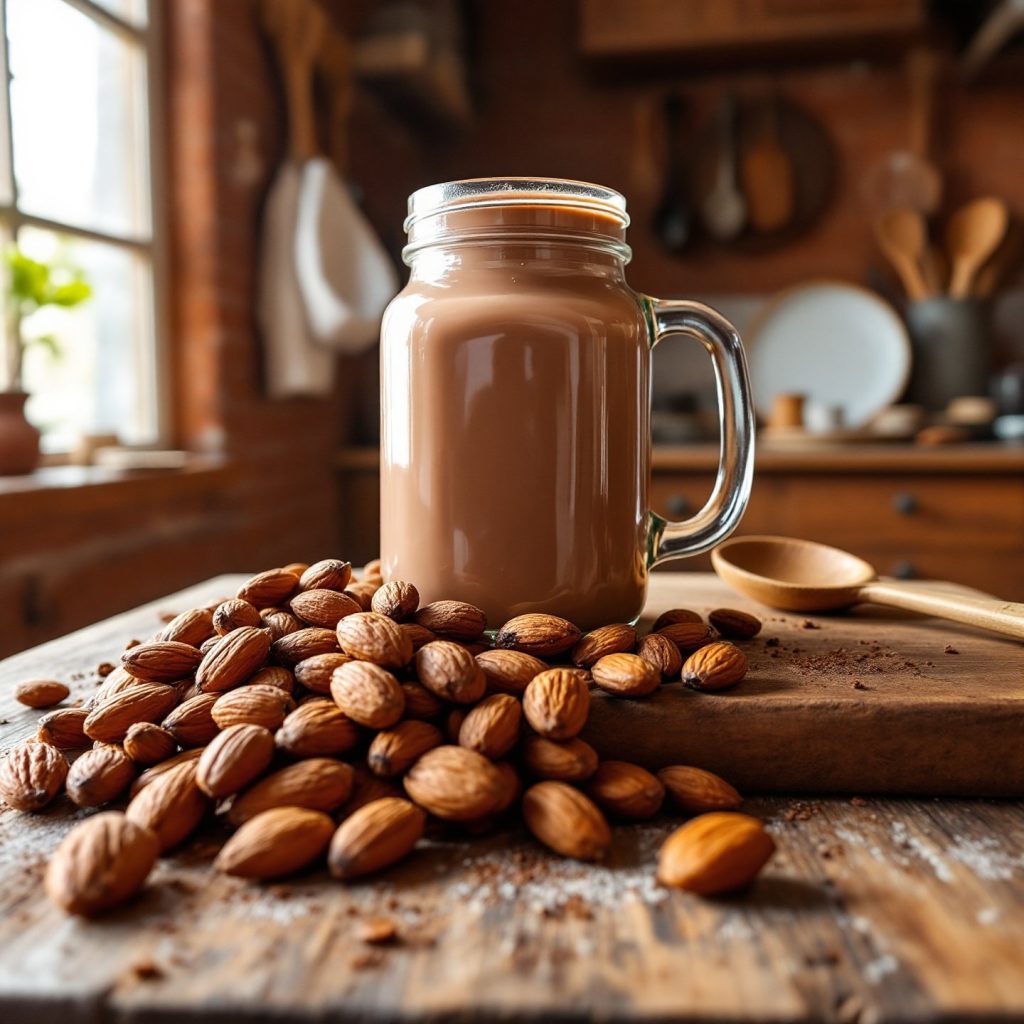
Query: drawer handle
904	571
904	503
678	506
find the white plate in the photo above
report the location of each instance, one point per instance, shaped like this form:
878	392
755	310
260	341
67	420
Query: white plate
836	343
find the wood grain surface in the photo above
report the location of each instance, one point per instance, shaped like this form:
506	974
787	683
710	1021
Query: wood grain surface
872	910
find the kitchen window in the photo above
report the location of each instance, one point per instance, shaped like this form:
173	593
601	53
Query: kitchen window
78	178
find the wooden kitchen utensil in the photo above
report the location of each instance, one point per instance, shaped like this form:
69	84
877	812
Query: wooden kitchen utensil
973	234
724	209
766	171
673	219
803	576
902	236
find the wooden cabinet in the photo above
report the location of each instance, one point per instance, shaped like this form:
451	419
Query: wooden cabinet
924	514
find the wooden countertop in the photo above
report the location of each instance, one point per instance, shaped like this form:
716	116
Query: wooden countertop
879	458
873	910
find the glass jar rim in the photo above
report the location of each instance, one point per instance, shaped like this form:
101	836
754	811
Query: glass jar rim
563	194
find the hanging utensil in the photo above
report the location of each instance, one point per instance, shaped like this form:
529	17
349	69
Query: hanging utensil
724	210
673	219
902	236
767	175
973	234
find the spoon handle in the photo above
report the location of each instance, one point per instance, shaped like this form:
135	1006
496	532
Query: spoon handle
1004	617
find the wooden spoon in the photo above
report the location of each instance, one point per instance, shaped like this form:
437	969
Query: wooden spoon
766	171
902	236
973	234
802	576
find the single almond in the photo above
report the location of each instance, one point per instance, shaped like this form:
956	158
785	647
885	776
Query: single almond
556	703
323	608
455	784
328	574
418	635
272	587
450	672
562	760
278	622
375	836
420	702
397	600
191	722
565	820
101	863
154	772
100	775
171	805
235	757
662	653
362	594
734	624
63	729
626	790
509	671
453	724
374	638
367	787
235	657
614	639
543	636
492	727
717	666
454	620
315	673
147	702
317	728
687	636
626	675
697	791
252	705
41	693
676	615
303	644
190	627
234	614
162	661
298	568
319	783
148	743
117	682
394	750
31	775
368	694
276	842
715	853
273	675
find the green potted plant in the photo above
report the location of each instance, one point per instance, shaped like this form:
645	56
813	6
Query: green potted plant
31	286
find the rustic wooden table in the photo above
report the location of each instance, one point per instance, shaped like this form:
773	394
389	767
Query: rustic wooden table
873	910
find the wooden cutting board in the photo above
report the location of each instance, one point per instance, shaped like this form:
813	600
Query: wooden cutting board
869	701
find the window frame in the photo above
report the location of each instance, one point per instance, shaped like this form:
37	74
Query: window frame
149	39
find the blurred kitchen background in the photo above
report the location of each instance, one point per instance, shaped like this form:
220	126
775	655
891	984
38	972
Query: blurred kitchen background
840	177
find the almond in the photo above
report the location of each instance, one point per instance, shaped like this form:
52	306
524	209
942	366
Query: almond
697	791
234	614
450	672
734	624
31	775
191	722
420	702
102	862
454	620
362	594
147	702
374	837
366	788
273	675
162	661
373	571
235	657
235	757
298	568
662	653
172	805
146	743
492	727
190	627
99	776
397	600
687	636
626	790
717	666
513	786
323	608
543	636
556	703
253	705
374	638
317	728
394	750
278	623
63	729
453	724
509	671
315	673
368	694
626	675
275	843
329	574
117	682
563	819
418	635
154	773
455	784
272	587
715	853
41	693
673	616
564	761
615	639
303	644
319	783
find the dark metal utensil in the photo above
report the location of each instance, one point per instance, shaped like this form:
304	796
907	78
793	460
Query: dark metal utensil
673	218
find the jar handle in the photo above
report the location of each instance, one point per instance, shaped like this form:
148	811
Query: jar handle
720	516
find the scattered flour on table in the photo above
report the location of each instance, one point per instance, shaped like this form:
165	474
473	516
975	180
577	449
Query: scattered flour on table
878	969
932	857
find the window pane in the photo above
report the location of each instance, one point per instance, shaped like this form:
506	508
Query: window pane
133	11
102	379
77	105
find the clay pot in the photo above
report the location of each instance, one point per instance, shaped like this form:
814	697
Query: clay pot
19	440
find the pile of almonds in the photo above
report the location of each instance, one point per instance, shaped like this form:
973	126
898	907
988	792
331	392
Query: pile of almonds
318	714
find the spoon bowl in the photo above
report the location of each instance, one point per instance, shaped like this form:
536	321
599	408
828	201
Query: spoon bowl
973	234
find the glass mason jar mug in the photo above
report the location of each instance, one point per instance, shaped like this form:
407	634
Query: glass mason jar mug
515	406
